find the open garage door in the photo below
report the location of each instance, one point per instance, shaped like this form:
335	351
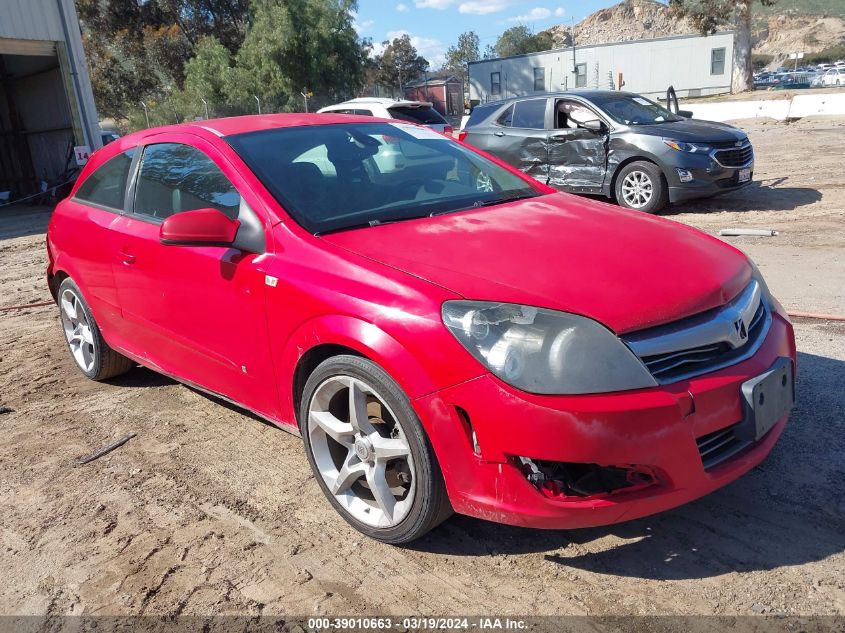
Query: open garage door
39	123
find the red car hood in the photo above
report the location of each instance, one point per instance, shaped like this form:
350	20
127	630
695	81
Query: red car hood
626	269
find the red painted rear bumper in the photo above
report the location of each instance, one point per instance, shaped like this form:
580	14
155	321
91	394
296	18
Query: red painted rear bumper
652	427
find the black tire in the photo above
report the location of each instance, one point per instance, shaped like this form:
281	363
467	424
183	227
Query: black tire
659	189
107	363
430	505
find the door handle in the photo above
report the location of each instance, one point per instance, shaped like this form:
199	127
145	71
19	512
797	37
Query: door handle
498	133
127	258
558	138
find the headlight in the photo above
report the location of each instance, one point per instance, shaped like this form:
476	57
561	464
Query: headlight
691	148
545	351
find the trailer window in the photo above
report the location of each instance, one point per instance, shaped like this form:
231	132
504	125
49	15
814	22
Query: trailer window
717	61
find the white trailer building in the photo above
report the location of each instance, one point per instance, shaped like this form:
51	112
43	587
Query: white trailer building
46	103
693	64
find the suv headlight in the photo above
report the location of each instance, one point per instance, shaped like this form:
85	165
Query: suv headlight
690	148
545	351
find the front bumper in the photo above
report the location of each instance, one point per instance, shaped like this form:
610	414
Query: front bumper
654	428
709	177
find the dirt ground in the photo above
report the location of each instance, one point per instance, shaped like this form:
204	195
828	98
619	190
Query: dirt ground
208	510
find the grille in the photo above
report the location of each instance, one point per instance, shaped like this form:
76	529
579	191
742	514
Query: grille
705	342
673	366
718	446
735	156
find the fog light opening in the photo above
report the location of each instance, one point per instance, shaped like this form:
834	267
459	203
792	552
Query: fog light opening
685	175
574	480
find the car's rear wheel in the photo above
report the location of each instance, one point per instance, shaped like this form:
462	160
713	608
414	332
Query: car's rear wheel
641	186
369	452
90	352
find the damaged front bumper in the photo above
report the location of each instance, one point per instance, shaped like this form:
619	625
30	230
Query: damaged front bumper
691	176
580	461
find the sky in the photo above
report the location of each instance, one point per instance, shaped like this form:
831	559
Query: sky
434	25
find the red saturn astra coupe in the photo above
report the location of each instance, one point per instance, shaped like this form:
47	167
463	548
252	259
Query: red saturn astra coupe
444	332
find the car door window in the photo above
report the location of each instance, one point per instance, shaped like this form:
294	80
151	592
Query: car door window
107	185
175	178
570	113
530	114
505	118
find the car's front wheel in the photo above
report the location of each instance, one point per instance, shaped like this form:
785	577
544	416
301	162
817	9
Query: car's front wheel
641	186
89	350
369	452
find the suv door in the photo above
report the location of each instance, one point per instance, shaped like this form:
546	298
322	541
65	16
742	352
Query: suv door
518	136
196	312
577	156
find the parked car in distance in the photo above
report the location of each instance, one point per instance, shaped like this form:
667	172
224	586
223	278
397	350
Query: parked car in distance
617	144
833	77
420	112
108	136
505	351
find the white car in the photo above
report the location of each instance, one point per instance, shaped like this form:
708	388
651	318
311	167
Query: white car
834	77
421	112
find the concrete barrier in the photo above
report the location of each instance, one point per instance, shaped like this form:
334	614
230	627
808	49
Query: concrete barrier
776	109
817	104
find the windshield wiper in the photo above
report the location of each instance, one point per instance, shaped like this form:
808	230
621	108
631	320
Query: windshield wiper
494	201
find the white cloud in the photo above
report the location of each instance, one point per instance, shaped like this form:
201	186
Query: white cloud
432	49
538	13
402	7
483	7
360	27
433	4
560	12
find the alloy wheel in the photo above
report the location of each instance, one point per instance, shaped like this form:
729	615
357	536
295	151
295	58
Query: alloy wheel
77	328
361	451
637	189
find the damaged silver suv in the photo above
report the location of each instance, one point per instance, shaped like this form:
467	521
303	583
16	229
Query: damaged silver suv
618	144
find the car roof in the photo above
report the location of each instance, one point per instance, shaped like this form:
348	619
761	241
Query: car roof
387	103
254	123
584	94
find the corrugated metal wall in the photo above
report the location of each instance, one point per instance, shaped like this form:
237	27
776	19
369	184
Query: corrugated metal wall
648	67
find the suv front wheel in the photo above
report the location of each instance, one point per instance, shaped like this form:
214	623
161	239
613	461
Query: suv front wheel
641	186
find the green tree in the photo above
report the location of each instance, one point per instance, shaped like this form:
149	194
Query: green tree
399	63
459	56
710	15
519	40
298	44
136	48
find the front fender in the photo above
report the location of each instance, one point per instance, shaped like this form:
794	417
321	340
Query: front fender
365	338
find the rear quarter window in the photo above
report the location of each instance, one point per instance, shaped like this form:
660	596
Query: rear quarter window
106	186
424	114
479	114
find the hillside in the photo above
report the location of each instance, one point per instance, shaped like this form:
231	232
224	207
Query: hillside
806	25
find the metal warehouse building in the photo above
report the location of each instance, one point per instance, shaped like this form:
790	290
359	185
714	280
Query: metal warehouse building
46	104
693	64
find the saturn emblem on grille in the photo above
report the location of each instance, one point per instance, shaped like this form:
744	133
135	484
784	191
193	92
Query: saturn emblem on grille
741	330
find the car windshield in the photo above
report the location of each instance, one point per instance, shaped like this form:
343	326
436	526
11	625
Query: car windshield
634	110
342	176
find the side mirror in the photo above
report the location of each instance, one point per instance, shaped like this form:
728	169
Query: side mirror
594	125
687	114
200	227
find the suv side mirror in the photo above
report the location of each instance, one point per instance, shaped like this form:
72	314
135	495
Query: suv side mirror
594	125
199	227
687	114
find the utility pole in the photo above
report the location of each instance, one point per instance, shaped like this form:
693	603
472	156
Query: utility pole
574	61
258	101
205	104
304	94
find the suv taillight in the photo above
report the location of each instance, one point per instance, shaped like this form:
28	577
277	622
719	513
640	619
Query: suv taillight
448	130
462	135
